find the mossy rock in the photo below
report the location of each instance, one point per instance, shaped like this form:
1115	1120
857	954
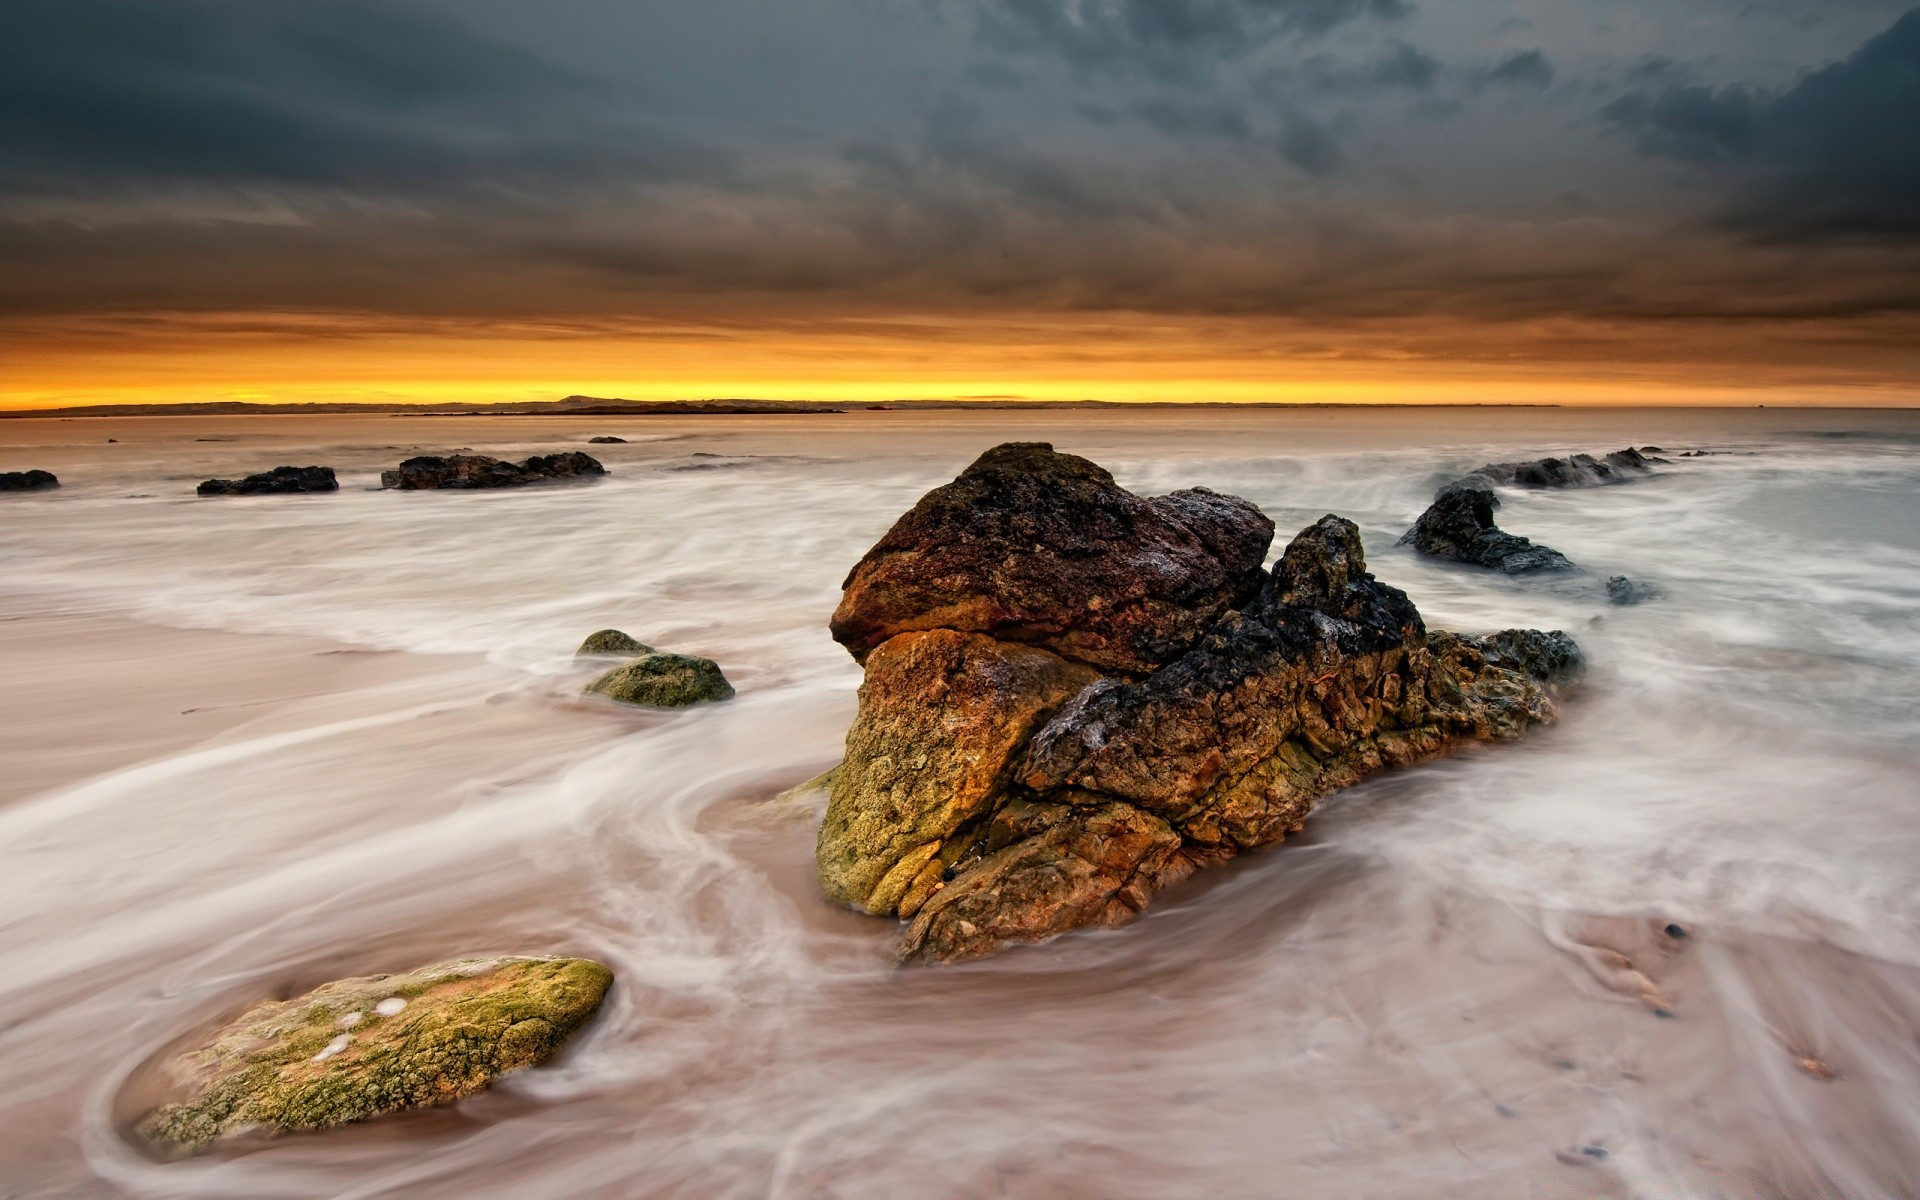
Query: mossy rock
610	642
358	1048
660	680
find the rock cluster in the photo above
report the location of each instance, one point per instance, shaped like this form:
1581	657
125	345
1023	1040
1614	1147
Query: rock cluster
654	678
279	481
27	481
480	471
1459	527
1076	696
358	1048
1578	470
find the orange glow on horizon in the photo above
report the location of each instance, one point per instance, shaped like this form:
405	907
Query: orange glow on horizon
334	358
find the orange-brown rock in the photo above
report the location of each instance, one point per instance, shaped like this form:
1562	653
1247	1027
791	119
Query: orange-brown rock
1029	545
941	716
995	794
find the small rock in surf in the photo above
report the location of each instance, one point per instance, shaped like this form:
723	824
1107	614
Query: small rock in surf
27	481
660	680
460	471
285	1066
1459	527
279	481
1621	590
1578	470
602	643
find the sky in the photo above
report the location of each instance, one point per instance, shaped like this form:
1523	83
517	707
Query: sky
1556	201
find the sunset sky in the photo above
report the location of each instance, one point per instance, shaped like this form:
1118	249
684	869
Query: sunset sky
1578	201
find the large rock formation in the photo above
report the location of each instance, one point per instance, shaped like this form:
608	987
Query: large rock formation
1025	762
279	481
1459	527
358	1048
27	481
479	471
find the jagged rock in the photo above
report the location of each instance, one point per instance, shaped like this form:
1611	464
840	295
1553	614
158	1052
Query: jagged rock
358	1048
660	680
996	793
1579	470
279	481
1621	590
605	642
941	716
27	481
1459	527
606	439
1030	545
480	471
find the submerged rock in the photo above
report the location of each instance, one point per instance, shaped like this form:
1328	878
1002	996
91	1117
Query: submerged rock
479	471
606	439
660	680
279	481
1459	527
359	1048
1621	590
603	642
996	792
1579	470
1030	545
27	481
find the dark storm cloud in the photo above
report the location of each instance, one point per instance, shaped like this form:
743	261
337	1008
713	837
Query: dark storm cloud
1525	69
1837	154
1216	156
1164	38
311	93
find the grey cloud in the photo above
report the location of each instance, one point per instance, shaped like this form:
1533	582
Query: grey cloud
1165	38
1834	155
321	94
1308	145
1524	69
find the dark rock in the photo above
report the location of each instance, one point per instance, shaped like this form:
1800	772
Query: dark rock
995	792
1621	590
1676	932
1579	470
279	481
605	642
1032	546
27	481
1459	527
480	471
659	680
606	440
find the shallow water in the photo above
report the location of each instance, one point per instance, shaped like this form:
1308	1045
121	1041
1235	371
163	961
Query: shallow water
1442	989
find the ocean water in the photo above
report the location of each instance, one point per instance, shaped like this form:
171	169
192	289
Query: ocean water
1458	982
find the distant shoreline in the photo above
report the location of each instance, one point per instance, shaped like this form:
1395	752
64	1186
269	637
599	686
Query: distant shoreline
592	406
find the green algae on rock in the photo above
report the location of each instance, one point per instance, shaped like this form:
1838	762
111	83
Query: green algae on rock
360	1048
610	642
661	680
